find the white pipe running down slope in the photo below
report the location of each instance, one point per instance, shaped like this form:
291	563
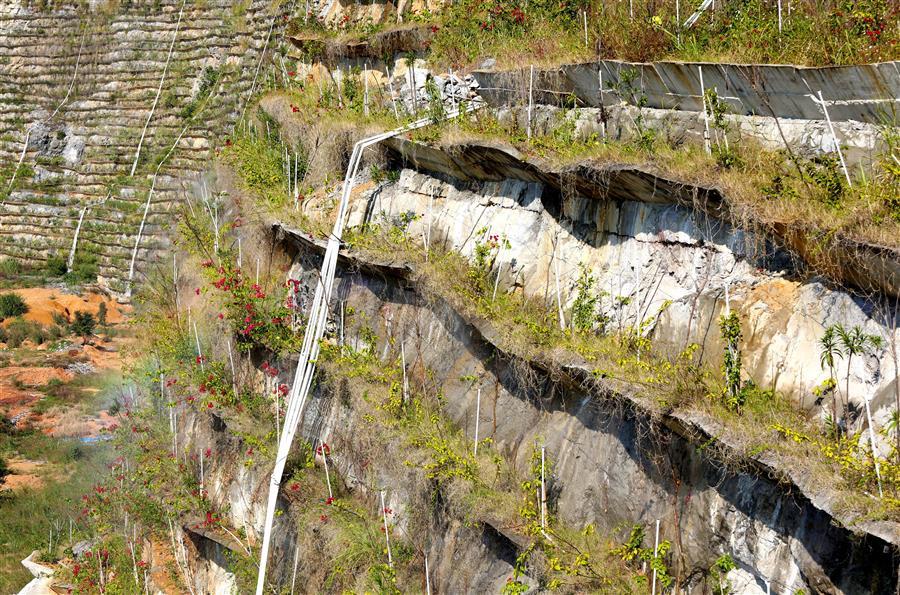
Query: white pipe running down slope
315	328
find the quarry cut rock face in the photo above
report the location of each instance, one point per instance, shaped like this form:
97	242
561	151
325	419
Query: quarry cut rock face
678	268
183	160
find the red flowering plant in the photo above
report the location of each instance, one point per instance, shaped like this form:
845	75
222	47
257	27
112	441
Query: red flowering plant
257	318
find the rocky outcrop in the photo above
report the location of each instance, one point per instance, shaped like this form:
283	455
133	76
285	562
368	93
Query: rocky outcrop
667	247
615	463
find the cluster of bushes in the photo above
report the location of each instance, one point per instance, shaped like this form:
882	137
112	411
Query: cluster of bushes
14	334
84	268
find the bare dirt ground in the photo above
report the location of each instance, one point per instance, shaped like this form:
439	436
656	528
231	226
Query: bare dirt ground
32	372
44	301
24	474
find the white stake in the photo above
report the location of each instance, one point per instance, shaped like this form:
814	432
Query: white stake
233	374
327	475
477	416
655	551
175	433
239	252
768	588
874	452
497	280
294	574
405	381
387	538
341	337
393	100
600	83
257	270
834	136
199	351
71	260
175	278
427	578
562	317
366	92
779	17
530	99
543	494
277	412
678	19
705	114
201	472
584	14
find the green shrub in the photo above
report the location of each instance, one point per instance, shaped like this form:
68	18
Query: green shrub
10	267
84	269
56	266
12	304
21	329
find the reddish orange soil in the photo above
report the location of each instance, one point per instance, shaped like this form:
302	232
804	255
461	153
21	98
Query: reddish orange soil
43	302
20	382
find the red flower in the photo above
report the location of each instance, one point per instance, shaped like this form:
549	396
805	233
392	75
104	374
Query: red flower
329	500
295	486
76	569
434	28
197	291
227	142
209	405
388	511
324	518
221	316
324	448
292	73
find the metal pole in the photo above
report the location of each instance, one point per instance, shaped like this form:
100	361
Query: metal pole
705	113
327	476
387	539
779	17
872	443
834	136
655	552
543	494
199	352
477	416
530	99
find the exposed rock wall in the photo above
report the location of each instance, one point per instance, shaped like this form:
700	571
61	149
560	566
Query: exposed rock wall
675	264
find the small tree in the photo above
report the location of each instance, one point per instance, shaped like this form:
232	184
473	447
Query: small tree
12	304
101	314
830	350
853	342
83	325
